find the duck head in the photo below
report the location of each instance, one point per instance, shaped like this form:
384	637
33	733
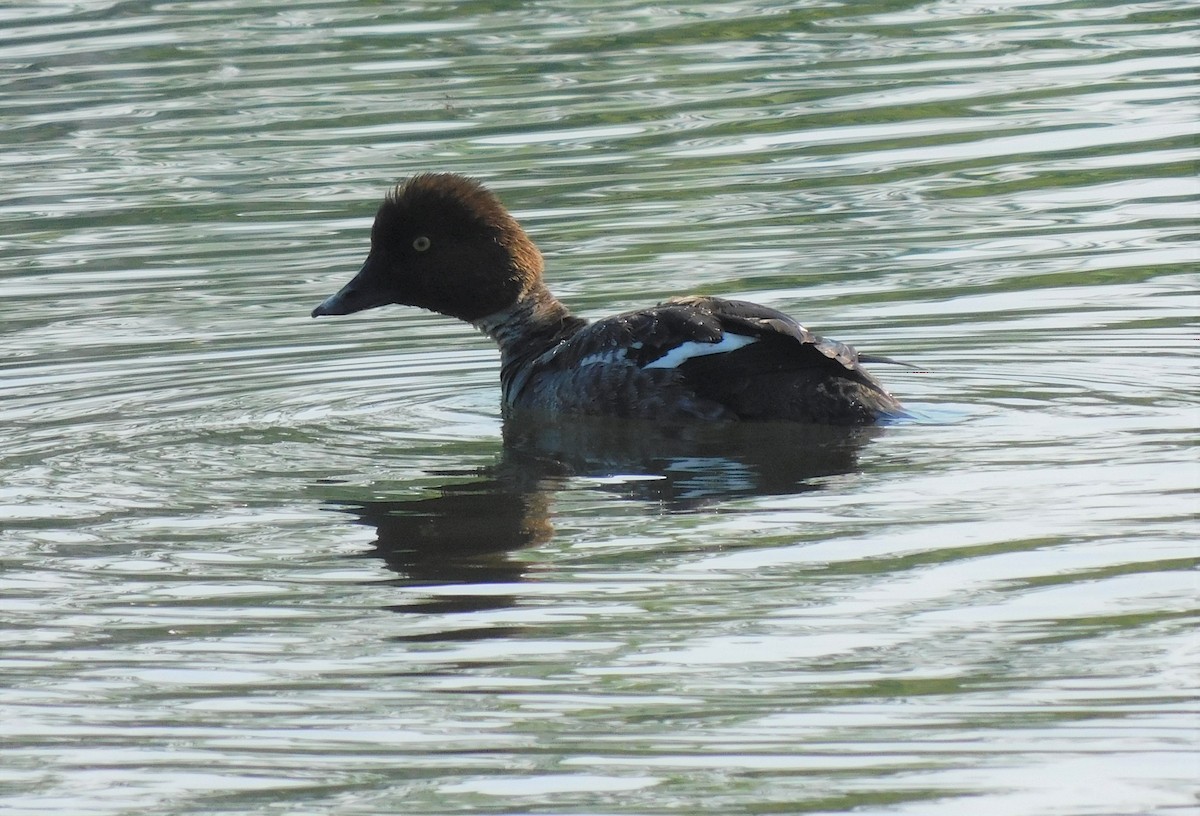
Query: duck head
442	242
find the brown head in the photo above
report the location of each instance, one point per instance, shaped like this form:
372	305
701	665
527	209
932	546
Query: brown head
442	242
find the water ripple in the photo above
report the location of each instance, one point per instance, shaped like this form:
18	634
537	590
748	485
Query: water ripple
252	559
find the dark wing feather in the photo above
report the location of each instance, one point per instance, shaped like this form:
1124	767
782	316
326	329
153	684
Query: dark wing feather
642	336
772	326
789	373
601	368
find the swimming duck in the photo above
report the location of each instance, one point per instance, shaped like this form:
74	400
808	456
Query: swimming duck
444	242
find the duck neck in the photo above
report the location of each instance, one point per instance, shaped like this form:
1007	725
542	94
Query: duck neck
526	330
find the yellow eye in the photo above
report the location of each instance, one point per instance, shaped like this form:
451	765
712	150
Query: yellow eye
420	243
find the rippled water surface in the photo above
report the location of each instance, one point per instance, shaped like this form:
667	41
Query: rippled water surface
254	563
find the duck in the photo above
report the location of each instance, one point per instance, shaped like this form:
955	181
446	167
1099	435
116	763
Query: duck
444	242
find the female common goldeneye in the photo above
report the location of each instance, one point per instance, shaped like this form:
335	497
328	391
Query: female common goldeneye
443	242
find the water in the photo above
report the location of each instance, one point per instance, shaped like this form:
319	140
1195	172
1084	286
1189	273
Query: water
255	563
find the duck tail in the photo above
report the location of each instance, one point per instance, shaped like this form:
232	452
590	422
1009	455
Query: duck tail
881	360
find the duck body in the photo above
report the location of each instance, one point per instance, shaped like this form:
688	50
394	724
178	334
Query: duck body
443	242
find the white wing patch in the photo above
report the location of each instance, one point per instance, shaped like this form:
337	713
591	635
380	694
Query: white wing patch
686	351
603	357
608	356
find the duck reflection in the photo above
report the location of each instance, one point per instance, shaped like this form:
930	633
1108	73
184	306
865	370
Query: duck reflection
463	534
466	532
686	467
